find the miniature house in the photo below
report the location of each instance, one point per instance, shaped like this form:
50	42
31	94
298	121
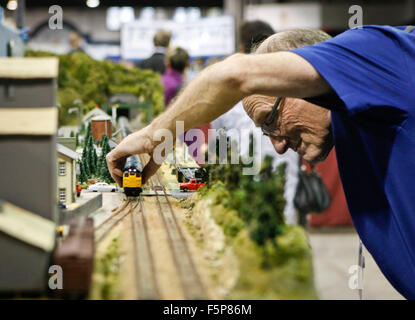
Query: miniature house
96	112
69	142
28	125
127	105
26	244
99	126
66	173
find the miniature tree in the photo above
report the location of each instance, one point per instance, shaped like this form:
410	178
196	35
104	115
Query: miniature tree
88	134
95	158
85	161
90	156
82	176
104	172
260	201
104	152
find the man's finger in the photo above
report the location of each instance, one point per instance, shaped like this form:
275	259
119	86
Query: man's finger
115	167
116	174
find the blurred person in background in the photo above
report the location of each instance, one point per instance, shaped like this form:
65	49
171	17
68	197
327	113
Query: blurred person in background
156	62
252	33
177	60
194	68
75	42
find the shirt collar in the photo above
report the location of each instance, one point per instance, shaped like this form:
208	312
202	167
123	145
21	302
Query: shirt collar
160	50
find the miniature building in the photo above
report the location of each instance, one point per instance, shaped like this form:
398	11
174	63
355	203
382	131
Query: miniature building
69	142
28	125
92	114
99	126
11	43
26	244
66	163
127	105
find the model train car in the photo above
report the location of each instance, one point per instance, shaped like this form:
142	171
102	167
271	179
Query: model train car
131	180
131	176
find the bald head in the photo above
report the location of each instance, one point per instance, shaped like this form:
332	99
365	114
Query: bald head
292	39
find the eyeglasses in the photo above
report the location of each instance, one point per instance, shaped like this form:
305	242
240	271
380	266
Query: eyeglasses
268	128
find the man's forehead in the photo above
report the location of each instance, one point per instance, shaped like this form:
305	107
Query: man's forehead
294	101
258	99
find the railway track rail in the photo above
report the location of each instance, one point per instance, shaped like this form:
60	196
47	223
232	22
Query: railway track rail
189	277
102	230
146	281
145	277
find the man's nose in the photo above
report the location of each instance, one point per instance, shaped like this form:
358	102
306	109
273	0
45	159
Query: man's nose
280	144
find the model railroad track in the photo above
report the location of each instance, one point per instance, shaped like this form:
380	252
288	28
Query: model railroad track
102	230
189	276
146	281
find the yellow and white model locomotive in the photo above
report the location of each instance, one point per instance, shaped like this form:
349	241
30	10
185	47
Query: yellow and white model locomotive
131	177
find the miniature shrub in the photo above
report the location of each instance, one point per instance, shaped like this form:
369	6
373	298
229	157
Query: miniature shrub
274	260
259	202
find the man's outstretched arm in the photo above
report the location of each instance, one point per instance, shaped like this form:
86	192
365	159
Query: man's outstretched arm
217	89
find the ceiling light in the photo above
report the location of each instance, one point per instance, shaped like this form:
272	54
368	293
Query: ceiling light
92	3
12	5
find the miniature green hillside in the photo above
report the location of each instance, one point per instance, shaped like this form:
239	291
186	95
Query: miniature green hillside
93	82
274	260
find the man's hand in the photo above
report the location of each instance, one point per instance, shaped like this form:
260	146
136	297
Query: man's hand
136	143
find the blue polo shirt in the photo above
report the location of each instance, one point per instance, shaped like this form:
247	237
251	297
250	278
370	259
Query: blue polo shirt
372	73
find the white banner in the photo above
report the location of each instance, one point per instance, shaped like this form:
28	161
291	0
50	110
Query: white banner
287	16
204	37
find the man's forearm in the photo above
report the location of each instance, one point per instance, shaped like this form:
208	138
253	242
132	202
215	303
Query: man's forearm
209	95
219	87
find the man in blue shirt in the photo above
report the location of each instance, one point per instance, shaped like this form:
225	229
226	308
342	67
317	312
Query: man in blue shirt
372	72
365	78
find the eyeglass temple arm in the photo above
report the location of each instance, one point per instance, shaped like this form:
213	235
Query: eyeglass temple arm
273	114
